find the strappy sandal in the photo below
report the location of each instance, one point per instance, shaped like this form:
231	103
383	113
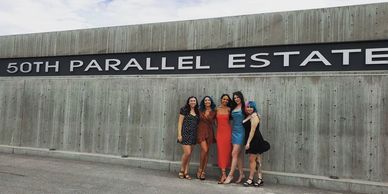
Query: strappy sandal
240	178
199	172
202	177
228	179
181	175
248	182
187	176
259	182
222	178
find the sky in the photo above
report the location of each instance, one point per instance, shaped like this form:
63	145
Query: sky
32	16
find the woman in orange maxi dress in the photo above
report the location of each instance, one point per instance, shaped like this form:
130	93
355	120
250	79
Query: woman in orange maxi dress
224	136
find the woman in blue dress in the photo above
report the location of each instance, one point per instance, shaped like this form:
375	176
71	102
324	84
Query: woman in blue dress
238	136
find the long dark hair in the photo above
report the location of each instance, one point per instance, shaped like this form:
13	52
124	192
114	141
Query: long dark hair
188	108
234	104
202	107
230	100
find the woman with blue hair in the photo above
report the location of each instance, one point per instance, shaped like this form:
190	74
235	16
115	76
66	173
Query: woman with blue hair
255	145
205	135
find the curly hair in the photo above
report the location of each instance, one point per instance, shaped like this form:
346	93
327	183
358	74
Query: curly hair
202	107
187	106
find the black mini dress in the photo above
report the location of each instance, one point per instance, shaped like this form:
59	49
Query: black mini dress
258	145
189	127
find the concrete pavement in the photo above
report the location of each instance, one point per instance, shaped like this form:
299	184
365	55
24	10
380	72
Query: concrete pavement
32	174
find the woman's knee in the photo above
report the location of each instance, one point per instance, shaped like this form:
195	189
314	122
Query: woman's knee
252	159
235	153
258	160
204	147
187	153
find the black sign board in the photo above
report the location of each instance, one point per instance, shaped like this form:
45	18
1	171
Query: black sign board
349	56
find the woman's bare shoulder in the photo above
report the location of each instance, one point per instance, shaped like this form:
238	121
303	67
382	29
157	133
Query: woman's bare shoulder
255	116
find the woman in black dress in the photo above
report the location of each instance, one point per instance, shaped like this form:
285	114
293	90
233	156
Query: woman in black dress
187	133
255	145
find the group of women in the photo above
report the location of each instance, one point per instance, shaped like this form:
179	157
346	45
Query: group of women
195	126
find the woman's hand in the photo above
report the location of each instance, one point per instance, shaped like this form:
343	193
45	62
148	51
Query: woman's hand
247	146
180	138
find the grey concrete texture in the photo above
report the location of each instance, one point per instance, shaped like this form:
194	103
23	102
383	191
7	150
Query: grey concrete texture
32	174
318	124
327	125
351	23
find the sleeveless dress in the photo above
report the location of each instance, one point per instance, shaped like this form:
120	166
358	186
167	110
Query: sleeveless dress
238	129
258	145
189	127
224	140
205	127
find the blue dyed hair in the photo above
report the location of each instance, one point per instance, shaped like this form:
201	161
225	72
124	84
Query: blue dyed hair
202	107
253	105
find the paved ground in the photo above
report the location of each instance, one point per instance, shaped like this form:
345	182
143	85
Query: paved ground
28	174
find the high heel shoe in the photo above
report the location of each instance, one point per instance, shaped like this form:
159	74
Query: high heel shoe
187	176
258	183
228	179
181	174
203	176
222	179
199	172
248	182
240	178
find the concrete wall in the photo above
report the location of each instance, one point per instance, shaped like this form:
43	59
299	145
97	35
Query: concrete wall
321	125
318	123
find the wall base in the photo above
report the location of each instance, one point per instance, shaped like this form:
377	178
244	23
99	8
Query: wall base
319	182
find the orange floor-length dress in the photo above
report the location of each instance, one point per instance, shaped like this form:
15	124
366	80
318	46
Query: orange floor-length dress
224	140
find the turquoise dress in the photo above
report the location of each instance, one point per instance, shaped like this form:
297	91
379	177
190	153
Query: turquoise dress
238	131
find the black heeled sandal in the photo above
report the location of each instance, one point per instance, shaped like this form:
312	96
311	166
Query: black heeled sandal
259	182
248	182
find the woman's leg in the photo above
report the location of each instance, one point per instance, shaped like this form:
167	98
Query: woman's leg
259	181
223	176
240	163
252	165
259	173
187	149
203	159
206	158
235	154
252	169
